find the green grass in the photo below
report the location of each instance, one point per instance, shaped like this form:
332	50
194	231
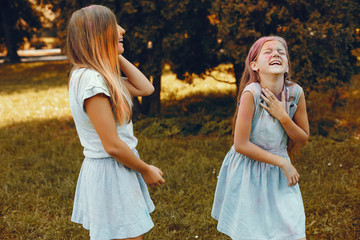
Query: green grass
41	157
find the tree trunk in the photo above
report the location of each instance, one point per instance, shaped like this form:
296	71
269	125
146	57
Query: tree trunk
238	69
12	56
151	104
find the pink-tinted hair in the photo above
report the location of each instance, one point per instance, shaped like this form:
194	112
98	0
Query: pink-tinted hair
249	76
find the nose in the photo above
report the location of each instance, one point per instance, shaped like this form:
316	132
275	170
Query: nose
121	30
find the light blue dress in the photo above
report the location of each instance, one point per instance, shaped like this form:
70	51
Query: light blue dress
111	200
252	199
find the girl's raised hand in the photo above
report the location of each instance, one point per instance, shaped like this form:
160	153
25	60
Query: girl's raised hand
290	172
153	176
276	108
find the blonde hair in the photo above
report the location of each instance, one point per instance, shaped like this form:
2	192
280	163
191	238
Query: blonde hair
249	76
92	39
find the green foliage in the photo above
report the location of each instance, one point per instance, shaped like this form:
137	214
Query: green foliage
320	35
22	18
159	32
179	32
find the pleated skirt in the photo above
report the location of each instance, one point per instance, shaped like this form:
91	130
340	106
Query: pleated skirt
111	201
253	201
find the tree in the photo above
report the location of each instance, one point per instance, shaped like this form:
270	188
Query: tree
157	32
18	20
320	35
168	31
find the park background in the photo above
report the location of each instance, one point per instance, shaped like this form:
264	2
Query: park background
193	52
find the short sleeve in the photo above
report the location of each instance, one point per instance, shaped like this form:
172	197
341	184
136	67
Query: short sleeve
91	83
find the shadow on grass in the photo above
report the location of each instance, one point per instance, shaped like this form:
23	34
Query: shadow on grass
39	164
205	115
38	75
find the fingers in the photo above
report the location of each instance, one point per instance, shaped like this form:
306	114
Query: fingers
268	94
161	181
268	97
157	179
265	98
157	184
265	107
293	180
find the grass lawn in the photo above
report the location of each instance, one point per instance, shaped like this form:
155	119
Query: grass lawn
40	157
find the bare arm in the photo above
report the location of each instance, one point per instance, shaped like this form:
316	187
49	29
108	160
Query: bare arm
100	113
243	145
297	130
137	84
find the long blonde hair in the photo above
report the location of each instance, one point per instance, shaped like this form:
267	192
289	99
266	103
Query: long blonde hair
249	76
92	40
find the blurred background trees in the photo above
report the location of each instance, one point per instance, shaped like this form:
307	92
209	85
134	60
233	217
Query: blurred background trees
193	36
320	35
18	21
173	32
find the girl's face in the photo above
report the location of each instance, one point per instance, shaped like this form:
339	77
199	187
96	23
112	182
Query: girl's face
120	45
272	59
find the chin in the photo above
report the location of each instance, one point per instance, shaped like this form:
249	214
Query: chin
277	71
121	51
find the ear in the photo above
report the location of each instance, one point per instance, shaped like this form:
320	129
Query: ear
254	66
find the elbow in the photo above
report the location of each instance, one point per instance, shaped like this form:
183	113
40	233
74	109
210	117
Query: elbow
148	91
306	138
112	150
239	147
303	141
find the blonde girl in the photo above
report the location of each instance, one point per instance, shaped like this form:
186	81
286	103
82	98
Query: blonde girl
257	194
111	199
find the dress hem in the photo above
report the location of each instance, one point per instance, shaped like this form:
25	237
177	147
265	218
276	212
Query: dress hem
114	236
291	237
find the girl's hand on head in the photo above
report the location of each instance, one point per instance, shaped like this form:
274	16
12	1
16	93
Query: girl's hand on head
276	108
290	172
153	177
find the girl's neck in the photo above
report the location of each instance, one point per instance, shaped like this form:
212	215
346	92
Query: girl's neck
274	83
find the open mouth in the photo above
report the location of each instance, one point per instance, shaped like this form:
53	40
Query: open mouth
275	62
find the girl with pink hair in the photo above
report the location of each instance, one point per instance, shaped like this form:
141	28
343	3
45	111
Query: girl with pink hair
257	194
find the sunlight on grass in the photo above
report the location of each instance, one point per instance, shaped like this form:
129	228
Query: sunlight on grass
175	89
40	92
30	105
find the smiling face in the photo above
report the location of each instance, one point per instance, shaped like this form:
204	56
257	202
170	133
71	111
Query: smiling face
120	45
272	59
